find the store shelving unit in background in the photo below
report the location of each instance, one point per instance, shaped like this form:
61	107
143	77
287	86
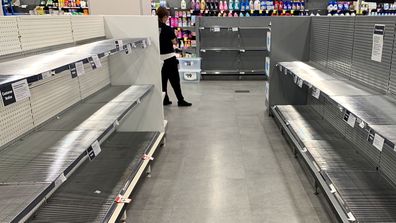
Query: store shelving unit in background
235	47
50	7
79	123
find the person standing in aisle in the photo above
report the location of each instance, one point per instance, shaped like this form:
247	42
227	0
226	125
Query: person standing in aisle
170	70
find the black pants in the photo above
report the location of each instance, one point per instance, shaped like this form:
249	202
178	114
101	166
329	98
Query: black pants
170	71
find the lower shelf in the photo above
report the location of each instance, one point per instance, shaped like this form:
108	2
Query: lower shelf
357	191
89	194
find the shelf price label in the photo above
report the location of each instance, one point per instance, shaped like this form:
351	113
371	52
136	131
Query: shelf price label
95	62
349	118
15	92
216	29
94	150
119	45
300	82
235	29
378	142
315	93
295	79
80	68
47	74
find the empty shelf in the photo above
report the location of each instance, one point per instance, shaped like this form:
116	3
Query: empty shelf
43	157
363	190
88	195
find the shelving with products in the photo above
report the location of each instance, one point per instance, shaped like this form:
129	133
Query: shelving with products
46	7
238	8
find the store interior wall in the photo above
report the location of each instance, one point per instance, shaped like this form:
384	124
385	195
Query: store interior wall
120	7
290	42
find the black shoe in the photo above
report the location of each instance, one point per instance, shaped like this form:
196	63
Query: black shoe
183	103
165	103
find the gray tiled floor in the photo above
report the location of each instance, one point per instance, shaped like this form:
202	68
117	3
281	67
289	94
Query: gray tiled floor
225	161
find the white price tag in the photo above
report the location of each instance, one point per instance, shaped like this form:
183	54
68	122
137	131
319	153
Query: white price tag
295	79
129	49
378	42
80	68
94	150
216	29
351	120
97	62
235	29
300	82
378	142
285	71
60	179
21	90
120	45
269	41
316	93
46	74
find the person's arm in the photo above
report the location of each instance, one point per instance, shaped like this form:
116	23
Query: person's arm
174	41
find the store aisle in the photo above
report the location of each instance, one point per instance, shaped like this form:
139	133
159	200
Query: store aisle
225	161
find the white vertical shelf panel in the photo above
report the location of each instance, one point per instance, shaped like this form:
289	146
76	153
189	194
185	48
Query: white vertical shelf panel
9	36
87	27
50	98
44	31
94	80
15	120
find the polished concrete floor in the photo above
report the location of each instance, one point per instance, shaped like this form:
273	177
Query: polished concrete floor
225	161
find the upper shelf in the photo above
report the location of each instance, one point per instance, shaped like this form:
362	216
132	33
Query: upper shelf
33	67
371	110
242	49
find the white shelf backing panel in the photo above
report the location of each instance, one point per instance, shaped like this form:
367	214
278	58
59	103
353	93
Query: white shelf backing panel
9	36
341	44
15	120
370	72
94	80
319	39
42	31
87	27
53	97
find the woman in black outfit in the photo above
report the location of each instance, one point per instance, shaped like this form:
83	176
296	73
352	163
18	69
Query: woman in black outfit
170	69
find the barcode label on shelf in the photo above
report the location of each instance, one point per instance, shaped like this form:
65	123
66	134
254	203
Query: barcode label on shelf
350	118
47	74
235	29
62	178
269	41
15	92
80	68
285	71
216	29
280	68
95	62
378	142
94	150
295	79
119	45
128	49
73	70
316	93
300	82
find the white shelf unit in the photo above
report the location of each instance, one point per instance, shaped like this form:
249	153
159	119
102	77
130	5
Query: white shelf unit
73	101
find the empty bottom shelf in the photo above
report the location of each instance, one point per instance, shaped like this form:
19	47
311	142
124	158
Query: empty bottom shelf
89	194
366	193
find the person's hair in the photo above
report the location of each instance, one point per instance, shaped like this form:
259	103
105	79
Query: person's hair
162	12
